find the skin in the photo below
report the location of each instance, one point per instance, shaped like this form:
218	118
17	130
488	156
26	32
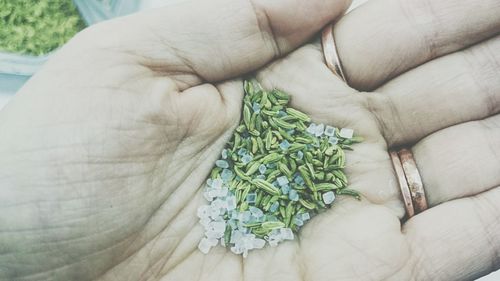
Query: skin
104	151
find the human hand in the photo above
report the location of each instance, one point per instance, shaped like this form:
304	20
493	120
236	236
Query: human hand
98	165
103	152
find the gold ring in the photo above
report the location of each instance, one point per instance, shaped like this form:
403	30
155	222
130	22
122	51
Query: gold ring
413	179
330	52
403	184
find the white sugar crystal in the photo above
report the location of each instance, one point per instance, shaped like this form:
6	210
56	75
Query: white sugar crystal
237	250
217	183
248	242
298	221
330	131
256	107
223	192
274	207
293	195
226	175
256	212
208	196
242	151
231	203
246	216
259	243
299	180
223	204
211	234
300	155
250	236
346	133
282	180
212	193
284	145
203	211
232	224
319	130
273	243
214	212
286	234
216	204
328	197
246	159
274	233
205	222
311	129
243	229
285	189
235	215
218	226
236	237
213	242
219	204
305	216
274	237
333	140
222	164
262	168
209	182
204	246
241	225
251	197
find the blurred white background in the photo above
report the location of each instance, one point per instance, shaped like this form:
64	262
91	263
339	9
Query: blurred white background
3	100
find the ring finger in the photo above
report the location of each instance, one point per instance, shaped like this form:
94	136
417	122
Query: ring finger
384	38
460	161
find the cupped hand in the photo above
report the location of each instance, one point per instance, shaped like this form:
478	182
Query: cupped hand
103	152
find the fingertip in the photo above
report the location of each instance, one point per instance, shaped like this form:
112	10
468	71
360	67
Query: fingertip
292	22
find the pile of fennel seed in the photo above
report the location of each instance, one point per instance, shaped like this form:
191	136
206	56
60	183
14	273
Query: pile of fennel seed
278	171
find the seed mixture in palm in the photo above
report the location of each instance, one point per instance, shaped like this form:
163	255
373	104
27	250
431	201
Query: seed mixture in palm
278	171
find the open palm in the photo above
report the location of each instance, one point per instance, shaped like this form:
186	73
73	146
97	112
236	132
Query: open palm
103	158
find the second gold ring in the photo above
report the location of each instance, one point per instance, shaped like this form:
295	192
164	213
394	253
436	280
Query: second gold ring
330	52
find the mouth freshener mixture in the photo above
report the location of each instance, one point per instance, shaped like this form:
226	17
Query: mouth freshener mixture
278	170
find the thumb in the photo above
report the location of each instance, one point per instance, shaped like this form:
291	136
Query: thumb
197	41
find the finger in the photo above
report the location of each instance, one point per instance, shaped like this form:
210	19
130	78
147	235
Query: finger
385	38
196	41
460	161
456	88
457	240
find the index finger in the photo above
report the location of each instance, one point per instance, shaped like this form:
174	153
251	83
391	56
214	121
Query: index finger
198	41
